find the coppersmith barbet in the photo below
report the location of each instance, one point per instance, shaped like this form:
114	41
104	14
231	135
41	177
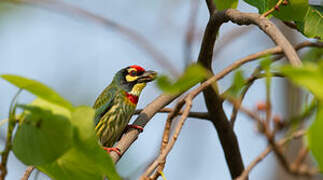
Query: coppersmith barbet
117	103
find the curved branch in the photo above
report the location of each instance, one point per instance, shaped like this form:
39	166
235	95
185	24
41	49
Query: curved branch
268	27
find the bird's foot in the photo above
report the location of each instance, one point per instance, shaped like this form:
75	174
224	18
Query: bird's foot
139	128
115	149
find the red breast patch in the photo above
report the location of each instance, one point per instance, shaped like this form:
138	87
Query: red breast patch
132	98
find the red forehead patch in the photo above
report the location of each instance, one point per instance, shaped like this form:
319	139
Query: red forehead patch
139	68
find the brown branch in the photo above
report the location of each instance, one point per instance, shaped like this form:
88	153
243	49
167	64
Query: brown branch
268	27
271	51
212	99
261	156
163	155
290	25
303	152
165	140
134	36
211	6
28	172
199	115
149	111
276	147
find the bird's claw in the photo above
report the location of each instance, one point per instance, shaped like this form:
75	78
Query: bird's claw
139	128
115	149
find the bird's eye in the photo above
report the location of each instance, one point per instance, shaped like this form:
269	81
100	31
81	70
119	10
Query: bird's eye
133	73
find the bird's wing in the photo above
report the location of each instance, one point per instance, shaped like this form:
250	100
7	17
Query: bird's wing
104	102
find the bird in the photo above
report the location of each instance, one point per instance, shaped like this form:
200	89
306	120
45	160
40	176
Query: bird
116	104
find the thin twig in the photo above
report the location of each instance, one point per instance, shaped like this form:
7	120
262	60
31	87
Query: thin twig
303	152
261	156
149	111
249	83
275	147
258	69
290	25
165	140
153	166
199	115
275	8
28	172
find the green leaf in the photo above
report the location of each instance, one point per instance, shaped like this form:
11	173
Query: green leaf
314	55
222	5
86	159
294	11
42	136
309	76
54	108
237	84
193	75
265	63
309	19
37	89
315	136
312	23
261	5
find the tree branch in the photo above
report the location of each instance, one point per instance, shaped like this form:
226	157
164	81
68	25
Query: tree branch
199	115
163	155
28	172
265	25
165	140
212	99
272	51
259	158
149	111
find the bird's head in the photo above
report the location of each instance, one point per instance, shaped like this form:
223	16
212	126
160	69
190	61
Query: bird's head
133	79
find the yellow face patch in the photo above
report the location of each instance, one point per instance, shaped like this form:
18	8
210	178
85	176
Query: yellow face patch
136	90
130	78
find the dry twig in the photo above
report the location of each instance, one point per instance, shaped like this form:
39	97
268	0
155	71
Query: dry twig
165	140
28	172
261	156
199	115
163	155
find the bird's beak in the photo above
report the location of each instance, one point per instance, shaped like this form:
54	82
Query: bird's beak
147	76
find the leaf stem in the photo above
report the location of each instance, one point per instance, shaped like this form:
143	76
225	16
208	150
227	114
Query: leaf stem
8	146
